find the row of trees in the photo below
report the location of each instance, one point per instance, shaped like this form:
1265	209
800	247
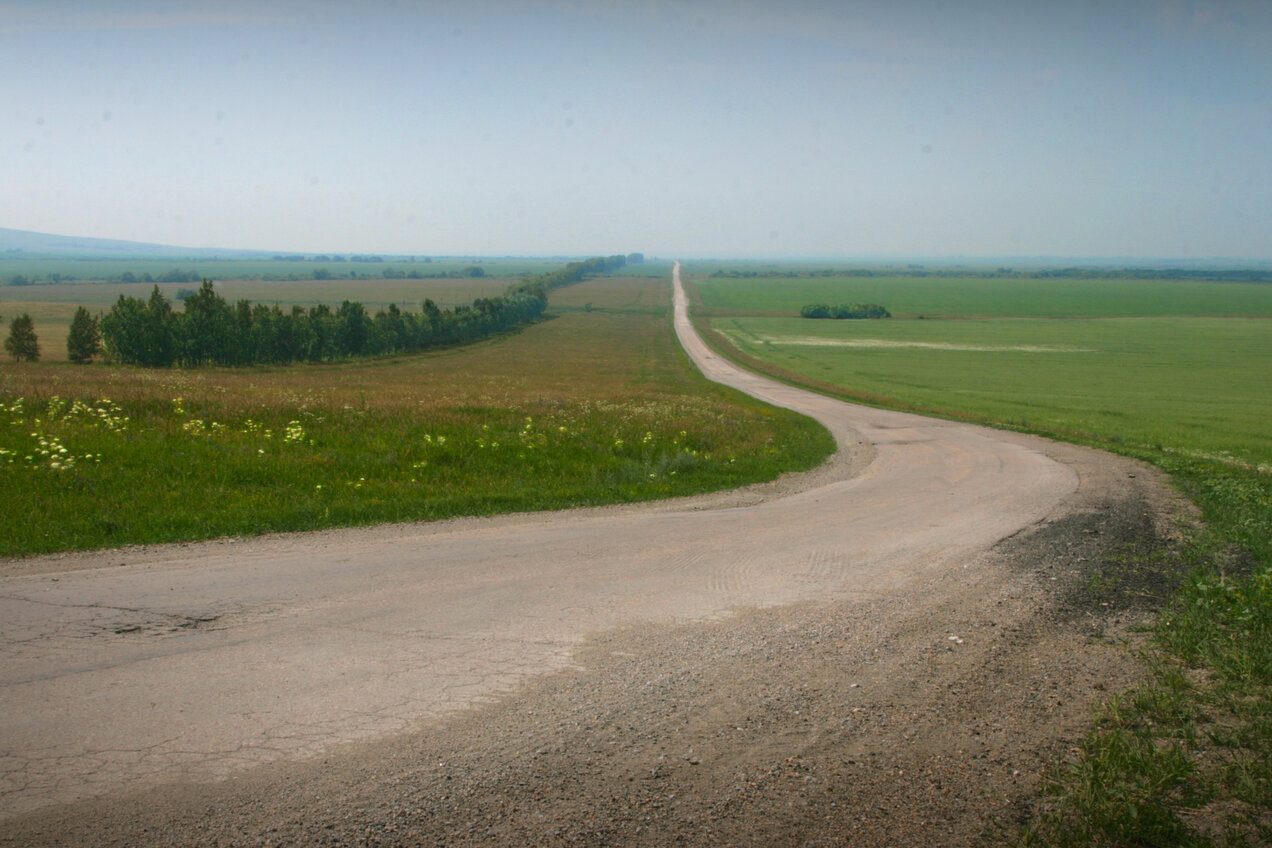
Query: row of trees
856	310
577	271
212	332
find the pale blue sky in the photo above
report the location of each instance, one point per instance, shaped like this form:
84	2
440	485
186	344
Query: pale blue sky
691	129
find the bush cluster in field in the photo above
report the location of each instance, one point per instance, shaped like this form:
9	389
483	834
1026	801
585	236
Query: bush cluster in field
88	473
854	311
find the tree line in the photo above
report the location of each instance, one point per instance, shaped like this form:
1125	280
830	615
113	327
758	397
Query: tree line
856	310
212	332
577	271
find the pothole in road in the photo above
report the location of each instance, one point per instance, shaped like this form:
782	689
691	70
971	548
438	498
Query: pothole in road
167	623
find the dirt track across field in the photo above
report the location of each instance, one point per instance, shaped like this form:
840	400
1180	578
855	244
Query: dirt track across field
885	651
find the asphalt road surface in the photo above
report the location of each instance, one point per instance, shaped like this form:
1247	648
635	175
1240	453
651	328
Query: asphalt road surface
126	669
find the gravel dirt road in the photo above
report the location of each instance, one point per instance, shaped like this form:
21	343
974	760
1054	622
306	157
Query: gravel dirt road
884	651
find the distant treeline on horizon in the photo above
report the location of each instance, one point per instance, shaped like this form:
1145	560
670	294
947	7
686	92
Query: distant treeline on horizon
181	275
1229	275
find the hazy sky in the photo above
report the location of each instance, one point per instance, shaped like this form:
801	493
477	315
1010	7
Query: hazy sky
681	129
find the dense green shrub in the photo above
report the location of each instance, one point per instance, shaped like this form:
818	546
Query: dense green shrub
857	310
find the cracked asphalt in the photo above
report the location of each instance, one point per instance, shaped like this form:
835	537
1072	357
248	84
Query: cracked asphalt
132	669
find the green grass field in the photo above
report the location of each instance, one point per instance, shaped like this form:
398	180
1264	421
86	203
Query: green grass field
1195	386
912	296
585	408
1185	759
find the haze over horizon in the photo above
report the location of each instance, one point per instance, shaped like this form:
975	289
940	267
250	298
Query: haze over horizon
545	127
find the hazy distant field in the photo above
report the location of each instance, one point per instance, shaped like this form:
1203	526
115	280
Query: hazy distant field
88	270
912	296
648	291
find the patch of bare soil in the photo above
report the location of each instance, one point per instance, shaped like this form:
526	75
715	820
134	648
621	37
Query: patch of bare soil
925	717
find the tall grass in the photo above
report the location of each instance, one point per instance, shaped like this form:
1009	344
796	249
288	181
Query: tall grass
588	408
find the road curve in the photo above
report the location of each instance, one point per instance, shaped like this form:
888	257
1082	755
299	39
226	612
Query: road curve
194	662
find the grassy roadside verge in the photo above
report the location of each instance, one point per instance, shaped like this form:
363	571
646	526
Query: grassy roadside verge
1185	759
583	409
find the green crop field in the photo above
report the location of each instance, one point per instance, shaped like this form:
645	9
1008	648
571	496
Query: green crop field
1007	297
1175	385
585	408
1197	386
624	292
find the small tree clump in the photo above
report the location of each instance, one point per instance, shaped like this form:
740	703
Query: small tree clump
22	342
856	310
85	339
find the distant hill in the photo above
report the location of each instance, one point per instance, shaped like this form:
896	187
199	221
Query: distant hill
47	244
